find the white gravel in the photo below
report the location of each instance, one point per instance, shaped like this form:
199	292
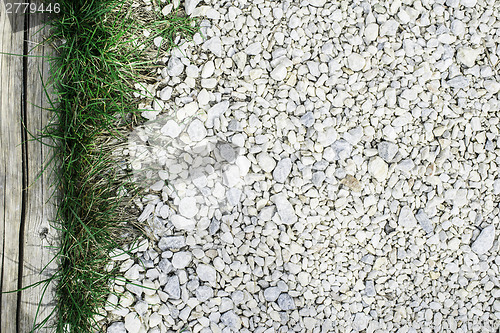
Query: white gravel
320	166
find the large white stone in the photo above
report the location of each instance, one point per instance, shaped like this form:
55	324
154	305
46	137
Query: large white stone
190	5
266	162
197	130
175	67
406	218
468	56
285	209
282	170
214	45
279	73
132	322
171	129
206	273
371	32
484	241
181	260
356	61
360	321
182	223
188	207
378	168
208	69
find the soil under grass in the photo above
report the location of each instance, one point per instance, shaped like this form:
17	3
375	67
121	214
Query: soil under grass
100	53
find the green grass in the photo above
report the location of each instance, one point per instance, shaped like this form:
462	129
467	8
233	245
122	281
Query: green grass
98	58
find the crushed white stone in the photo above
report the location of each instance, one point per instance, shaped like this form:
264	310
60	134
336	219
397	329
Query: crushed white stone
317	166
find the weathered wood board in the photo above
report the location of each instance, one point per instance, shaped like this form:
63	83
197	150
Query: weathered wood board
26	201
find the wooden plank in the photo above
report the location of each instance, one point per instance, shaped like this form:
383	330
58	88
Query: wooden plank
38	235
11	76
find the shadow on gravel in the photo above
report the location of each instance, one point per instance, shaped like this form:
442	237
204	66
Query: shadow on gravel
163	158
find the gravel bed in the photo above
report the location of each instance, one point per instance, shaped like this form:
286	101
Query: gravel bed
318	166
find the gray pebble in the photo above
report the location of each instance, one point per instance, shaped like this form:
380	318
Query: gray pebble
341	149
175	67
232	320
370	288
171	242
285	302
172	288
387	150
204	293
214	226
459	82
424	221
484	242
271	294
282	170
307	119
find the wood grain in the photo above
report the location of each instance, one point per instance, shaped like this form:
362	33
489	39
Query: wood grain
11	83
26	202
38	234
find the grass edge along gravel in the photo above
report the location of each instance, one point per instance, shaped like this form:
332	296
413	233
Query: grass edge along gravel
99	56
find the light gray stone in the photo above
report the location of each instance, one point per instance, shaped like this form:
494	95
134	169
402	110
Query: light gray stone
271	294
215	112
227	152
360	321
214	45
356	61
165	266
467	56
282	170
208	69
132	322
172	242
285	209
190	5
182	223
116	327
214	226
206	273
378	168
204	293
406	218
424	221
188	207
172	287
459	82
371	32
266	162
389	28
279	73
468	3
231	320
341	149
175	67
286	302
182	259
484	242
307	119
233	196
166	93
370	288
254	49
387	150
354	135
197	130
171	129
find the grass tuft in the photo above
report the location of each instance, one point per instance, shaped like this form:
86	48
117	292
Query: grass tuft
100	52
